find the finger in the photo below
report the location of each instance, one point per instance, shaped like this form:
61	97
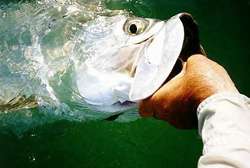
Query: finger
152	105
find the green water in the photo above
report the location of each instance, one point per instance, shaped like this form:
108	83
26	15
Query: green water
145	143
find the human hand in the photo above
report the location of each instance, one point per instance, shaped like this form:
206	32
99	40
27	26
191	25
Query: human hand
177	100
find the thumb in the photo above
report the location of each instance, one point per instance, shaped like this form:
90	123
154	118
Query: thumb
149	107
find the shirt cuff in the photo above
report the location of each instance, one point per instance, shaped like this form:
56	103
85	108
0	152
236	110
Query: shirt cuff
203	112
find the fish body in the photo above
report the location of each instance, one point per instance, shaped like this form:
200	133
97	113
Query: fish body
63	63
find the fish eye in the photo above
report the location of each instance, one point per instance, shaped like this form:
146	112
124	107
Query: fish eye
135	26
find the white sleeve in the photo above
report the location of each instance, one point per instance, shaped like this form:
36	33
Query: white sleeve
224	125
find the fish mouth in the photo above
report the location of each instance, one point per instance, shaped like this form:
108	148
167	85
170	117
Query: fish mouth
191	43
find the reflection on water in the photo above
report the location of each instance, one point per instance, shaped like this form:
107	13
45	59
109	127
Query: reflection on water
38	43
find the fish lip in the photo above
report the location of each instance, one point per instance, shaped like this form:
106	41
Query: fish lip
149	38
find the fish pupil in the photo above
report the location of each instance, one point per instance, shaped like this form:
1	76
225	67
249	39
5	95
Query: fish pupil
133	28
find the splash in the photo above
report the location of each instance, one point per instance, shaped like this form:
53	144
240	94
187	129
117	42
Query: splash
37	42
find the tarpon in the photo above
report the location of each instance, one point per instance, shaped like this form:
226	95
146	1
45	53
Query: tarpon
114	62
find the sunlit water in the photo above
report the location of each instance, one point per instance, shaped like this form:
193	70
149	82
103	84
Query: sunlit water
40	45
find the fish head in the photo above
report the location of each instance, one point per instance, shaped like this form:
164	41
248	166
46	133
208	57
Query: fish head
127	58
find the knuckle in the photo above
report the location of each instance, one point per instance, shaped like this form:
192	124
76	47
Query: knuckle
196	58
